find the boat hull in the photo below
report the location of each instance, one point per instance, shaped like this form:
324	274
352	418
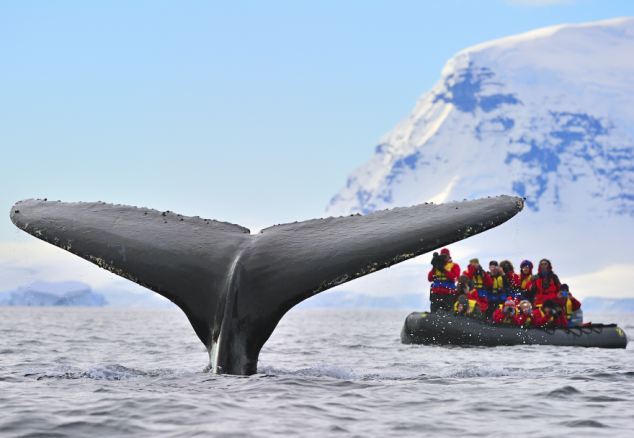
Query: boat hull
443	328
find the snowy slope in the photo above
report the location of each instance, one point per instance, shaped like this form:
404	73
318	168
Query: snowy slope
40	293
547	115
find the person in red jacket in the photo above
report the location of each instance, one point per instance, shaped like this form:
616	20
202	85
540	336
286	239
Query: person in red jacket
570	307
524	317
544	315
443	276
526	279
481	279
546	285
506	314
510	280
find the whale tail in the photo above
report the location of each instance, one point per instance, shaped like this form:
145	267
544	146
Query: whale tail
235	286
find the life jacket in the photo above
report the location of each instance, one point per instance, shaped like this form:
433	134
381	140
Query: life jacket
497	294
512	280
498	283
472	303
569	306
552	287
523	320
479	299
481	282
568	309
442	275
500	317
441	282
540	318
525	282
455	306
478	281
545	286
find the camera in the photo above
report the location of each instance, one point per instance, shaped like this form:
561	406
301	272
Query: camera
439	261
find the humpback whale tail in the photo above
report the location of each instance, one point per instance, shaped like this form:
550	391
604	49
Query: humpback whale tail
235	286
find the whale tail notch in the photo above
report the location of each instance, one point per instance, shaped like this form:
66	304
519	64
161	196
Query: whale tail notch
235	286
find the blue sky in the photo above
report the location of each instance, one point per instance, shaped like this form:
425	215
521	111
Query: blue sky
251	112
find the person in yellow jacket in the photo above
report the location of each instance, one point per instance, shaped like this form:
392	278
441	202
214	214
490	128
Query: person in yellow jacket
469	305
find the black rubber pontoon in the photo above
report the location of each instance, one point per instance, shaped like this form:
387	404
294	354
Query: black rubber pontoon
443	328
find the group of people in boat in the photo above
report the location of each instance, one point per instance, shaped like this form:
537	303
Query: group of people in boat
501	295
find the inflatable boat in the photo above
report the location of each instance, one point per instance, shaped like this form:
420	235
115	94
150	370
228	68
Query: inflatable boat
444	328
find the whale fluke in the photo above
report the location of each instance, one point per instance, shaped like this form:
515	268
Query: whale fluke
235	286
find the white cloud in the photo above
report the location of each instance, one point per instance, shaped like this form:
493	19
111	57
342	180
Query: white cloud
25	262
612	281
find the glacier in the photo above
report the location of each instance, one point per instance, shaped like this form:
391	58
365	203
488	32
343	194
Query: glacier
546	115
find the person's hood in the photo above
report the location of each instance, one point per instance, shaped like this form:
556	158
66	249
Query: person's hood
550	266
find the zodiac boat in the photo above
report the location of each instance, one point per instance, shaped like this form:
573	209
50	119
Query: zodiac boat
442	328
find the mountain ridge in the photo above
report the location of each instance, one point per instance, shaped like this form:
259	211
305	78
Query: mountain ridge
545	115
532	125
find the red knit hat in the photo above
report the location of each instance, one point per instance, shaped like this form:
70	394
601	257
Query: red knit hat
444	251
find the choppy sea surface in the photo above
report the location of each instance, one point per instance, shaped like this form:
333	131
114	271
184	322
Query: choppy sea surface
116	372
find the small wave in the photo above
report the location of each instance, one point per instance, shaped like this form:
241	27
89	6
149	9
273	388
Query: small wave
321	370
563	392
611	377
340	373
487	372
100	372
604	399
583	423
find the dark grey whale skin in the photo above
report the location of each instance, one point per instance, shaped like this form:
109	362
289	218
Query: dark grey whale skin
234	286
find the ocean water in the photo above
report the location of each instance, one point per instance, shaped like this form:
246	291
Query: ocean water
115	372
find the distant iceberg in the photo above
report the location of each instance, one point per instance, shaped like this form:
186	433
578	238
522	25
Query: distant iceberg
43	294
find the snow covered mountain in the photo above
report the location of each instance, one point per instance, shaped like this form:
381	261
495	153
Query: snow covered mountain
547	115
46	294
